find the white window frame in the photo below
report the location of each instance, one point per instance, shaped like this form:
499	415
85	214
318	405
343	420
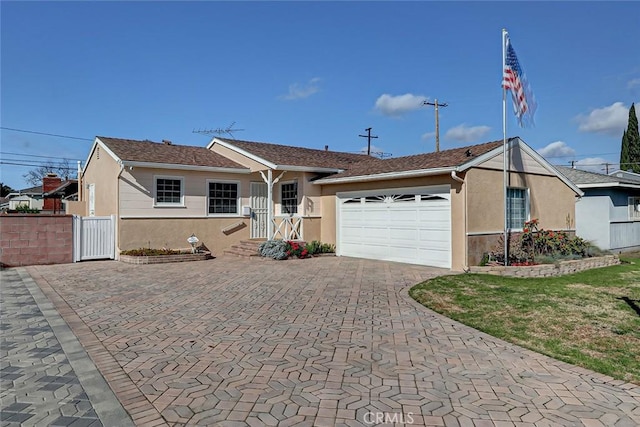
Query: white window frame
282	184
157	204
634	208
527	207
238	201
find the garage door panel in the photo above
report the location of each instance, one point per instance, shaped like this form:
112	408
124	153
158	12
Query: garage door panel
403	235
399	229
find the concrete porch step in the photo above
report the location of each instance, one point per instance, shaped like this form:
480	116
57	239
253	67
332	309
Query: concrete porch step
245	248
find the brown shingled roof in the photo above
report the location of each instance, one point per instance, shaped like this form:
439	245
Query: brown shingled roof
156	152
442	159
299	156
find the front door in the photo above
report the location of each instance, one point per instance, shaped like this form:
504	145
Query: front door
259	210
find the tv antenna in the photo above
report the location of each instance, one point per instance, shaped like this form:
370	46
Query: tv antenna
220	131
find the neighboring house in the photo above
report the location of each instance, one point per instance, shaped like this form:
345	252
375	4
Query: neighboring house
609	212
59	193
442	209
50	197
30	197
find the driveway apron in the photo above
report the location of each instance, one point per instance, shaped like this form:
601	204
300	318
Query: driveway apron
325	341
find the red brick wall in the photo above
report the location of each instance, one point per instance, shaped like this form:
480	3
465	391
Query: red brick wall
35	239
50	183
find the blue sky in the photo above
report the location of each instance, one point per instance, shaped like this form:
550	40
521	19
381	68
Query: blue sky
314	74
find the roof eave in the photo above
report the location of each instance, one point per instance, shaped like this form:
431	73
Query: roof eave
242	152
386	175
152	165
307	169
608	185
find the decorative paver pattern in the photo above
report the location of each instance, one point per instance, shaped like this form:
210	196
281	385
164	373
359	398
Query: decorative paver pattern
325	342
46	379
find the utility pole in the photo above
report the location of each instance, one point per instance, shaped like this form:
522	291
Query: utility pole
435	104
368	136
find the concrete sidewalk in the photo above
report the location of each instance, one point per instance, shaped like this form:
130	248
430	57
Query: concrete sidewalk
324	341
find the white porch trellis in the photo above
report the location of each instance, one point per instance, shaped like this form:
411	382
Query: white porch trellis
287	227
284	227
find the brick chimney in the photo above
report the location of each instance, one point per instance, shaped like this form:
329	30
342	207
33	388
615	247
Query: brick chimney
50	182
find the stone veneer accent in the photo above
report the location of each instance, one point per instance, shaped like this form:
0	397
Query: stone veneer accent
548	270
30	239
163	259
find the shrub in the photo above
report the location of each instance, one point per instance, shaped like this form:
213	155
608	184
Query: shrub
276	249
27	209
316	247
536	245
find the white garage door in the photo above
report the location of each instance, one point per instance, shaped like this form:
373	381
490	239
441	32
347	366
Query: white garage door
411	225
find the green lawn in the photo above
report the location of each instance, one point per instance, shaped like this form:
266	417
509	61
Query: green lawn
587	319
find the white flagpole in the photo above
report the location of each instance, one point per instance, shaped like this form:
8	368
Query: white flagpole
504	147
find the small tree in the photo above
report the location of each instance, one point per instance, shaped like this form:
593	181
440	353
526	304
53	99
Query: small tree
5	189
630	147
625	163
63	169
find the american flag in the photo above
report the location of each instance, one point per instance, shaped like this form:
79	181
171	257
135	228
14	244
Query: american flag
514	79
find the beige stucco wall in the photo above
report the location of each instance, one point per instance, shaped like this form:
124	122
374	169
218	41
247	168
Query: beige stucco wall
551	200
101	170
76	208
312	229
173	232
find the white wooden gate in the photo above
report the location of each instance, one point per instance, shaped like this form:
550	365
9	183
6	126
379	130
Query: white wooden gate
258	210
93	237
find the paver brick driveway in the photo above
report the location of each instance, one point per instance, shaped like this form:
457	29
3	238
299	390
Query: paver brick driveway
325	341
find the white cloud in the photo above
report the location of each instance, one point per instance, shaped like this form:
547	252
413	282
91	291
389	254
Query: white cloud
395	106
464	133
593	164
611	120
557	149
301	91
427	136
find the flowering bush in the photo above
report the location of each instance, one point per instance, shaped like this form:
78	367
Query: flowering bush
297	249
535	242
283	249
549	242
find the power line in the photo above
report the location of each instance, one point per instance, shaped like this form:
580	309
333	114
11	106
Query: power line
34	165
46	134
35	155
37	162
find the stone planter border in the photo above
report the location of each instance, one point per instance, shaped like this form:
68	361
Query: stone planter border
548	270
162	259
